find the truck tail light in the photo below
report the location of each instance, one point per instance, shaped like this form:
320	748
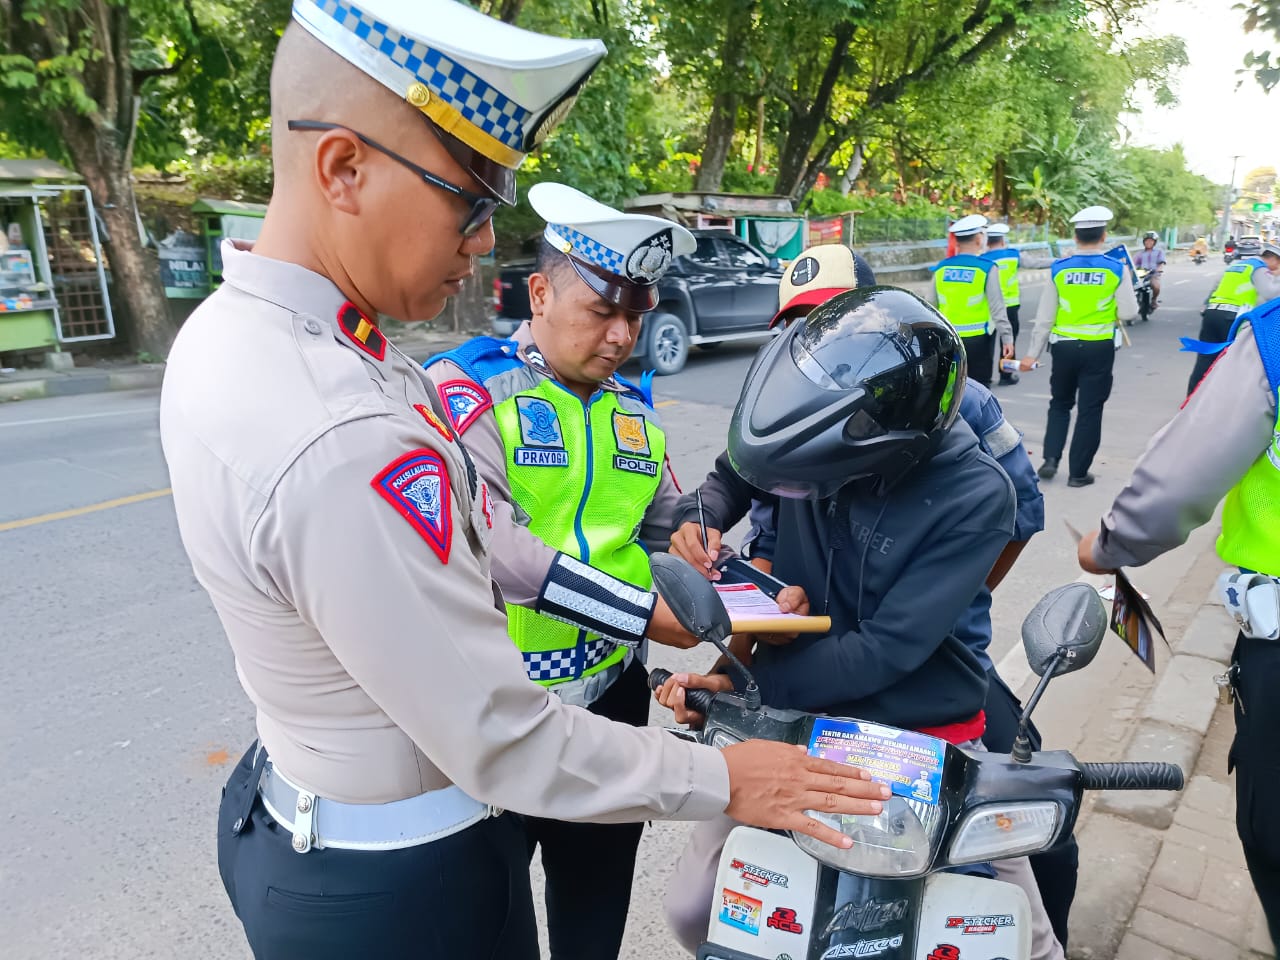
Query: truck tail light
497	295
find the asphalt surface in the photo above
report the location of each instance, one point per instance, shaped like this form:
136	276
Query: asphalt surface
122	715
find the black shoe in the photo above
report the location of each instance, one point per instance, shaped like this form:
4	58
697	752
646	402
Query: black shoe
1008	379
1049	469
1080	481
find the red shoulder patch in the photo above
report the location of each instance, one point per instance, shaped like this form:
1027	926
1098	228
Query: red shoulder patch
464	401
361	331
417	486
486	504
435	422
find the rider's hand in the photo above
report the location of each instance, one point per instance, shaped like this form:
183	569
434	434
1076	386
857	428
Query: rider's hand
671	694
686	543
1027	363
771	785
664	628
791	599
1084	553
1007	351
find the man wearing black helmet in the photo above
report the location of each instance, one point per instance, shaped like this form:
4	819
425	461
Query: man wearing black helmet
850	418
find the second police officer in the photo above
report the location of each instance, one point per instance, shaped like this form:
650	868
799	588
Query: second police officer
1009	260
1079	319
966	290
576	462
1246	283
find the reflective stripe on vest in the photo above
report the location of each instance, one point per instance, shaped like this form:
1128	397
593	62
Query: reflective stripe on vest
583	475
1009	261
961	285
1086	286
1250	536
1236	288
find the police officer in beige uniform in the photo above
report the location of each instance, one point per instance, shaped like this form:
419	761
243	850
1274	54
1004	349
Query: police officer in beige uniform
343	534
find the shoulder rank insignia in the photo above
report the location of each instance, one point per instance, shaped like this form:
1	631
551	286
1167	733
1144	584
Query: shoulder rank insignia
417	486
361	332
464	402
435	422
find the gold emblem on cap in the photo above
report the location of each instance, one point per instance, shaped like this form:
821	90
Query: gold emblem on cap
418	95
565	246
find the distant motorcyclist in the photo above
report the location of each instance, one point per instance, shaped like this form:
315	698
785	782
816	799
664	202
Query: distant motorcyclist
1151	258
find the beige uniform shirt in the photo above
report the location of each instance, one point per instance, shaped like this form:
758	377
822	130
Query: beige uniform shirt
1047	314
521	560
379	669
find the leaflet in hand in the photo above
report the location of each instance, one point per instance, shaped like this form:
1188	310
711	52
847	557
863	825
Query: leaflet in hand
751	610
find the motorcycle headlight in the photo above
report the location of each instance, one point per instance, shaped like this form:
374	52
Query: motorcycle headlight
1004	830
900	841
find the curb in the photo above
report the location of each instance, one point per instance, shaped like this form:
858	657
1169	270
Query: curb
1122	839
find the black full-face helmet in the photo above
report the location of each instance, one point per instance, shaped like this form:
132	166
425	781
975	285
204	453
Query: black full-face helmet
867	386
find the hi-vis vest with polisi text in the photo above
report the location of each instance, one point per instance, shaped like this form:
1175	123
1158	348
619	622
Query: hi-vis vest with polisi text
1086	285
961	285
1236	289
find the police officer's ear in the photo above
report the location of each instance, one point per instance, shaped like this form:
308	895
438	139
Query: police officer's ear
340	169
541	291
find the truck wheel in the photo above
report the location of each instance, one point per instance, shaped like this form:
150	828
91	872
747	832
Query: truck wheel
668	344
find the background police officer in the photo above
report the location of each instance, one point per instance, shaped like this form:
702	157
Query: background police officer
1224	442
1245	284
1009	261
1092	294
342	534
966	290
575	459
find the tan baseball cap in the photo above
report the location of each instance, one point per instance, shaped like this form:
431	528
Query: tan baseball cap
817	275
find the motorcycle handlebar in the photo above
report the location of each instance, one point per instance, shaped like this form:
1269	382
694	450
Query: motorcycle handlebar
1131	775
695	699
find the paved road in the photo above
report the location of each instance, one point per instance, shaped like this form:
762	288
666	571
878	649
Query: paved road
122	712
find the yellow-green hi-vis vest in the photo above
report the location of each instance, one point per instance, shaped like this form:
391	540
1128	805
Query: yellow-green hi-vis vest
1086	285
1236	288
1009	261
582	476
961	285
1250	536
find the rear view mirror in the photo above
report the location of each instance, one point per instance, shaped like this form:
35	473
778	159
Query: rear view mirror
1064	630
691	597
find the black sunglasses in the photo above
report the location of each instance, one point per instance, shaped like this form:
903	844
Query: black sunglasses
482	207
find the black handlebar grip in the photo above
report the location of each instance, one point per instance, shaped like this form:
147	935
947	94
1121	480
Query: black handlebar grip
1131	775
694	698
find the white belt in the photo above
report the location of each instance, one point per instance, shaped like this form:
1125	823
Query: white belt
317	822
587	690
1229	307
1253	600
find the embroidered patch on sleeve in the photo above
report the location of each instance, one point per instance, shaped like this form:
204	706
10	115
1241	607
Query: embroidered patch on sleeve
429	415
464	401
417	485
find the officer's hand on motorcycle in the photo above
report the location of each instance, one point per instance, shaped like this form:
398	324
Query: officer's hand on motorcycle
686	543
772	784
664	628
1007	351
1084	553
791	599
1026	364
671	694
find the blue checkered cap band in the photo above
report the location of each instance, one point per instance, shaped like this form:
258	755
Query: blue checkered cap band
588	250
502	80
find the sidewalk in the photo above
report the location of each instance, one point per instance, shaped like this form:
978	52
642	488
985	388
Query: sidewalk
108	375
1162	875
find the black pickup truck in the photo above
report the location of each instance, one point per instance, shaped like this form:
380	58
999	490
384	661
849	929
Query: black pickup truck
725	290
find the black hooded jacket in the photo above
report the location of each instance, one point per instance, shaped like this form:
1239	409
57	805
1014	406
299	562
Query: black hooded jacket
903	565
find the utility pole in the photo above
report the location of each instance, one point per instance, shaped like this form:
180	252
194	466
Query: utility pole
1226	207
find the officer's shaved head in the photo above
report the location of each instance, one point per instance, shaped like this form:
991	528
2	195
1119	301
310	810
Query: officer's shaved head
311	82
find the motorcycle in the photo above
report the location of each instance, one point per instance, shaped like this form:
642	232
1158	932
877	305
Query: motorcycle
1198	256
1146	296
779	896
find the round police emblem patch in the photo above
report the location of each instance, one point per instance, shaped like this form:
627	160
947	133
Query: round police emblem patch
650	260
804	270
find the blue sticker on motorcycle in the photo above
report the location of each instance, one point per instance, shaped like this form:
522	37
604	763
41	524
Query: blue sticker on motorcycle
910	763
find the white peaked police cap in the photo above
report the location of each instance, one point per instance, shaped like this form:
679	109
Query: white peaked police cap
997	229
496	89
968	226
620	256
1096	216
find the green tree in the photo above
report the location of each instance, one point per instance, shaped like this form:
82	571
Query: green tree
1262	16
73	74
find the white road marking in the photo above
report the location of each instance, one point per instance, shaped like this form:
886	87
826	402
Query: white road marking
79	416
